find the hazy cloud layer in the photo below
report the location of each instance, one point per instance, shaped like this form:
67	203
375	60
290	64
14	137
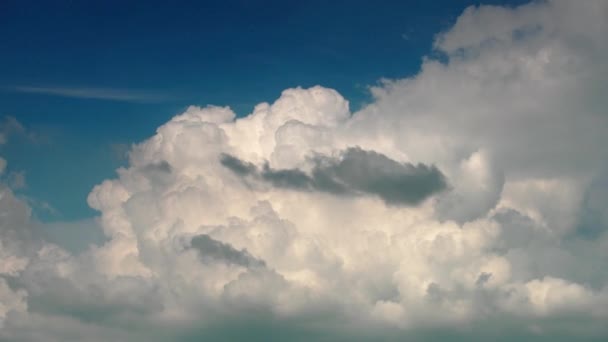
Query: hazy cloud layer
282	225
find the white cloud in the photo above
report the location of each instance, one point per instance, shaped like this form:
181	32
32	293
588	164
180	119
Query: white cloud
515	122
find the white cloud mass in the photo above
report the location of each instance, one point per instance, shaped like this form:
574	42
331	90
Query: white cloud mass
287	242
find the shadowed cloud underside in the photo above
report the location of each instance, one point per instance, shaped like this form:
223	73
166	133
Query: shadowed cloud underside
355	171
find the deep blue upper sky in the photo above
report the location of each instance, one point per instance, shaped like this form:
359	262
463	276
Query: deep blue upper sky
88	77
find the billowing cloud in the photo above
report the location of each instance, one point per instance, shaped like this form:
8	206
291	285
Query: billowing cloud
465	202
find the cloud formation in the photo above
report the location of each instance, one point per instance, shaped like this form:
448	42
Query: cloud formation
466	201
355	171
10	126
110	94
212	250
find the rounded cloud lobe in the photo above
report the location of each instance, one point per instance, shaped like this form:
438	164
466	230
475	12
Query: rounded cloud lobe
465	201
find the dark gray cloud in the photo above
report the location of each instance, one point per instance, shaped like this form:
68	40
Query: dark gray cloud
483	278
162	166
289	178
158	172
214	250
237	166
356	171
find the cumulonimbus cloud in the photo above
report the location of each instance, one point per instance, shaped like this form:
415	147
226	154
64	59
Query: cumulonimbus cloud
465	201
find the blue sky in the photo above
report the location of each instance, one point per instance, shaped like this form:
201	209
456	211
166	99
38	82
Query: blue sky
90	77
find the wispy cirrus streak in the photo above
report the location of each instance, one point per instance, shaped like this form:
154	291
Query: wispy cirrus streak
110	94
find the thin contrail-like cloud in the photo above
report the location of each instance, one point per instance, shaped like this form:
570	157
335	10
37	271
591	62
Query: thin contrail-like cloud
112	94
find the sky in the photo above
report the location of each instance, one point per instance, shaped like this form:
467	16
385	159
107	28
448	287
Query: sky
331	171
99	77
